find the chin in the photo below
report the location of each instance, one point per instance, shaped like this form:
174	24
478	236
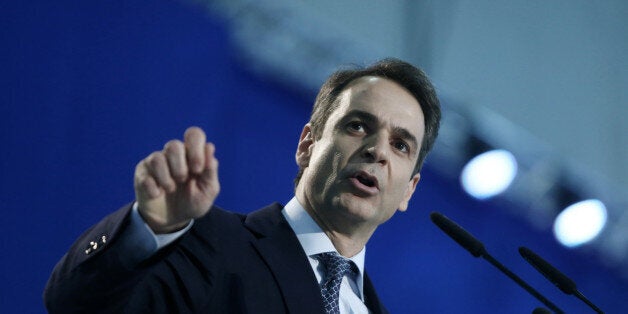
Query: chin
358	208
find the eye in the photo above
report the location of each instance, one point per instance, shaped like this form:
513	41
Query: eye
355	126
401	146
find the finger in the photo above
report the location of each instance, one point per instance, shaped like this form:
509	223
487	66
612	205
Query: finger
194	148
175	155
158	168
210	173
145	185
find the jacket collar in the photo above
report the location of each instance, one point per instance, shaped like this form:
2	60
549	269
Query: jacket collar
279	247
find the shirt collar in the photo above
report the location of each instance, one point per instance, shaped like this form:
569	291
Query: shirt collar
311	236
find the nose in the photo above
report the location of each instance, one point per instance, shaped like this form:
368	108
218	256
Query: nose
376	150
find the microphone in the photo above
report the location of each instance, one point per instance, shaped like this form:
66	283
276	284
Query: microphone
559	279
476	248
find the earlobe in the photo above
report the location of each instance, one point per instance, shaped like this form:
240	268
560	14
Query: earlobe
410	188
304	149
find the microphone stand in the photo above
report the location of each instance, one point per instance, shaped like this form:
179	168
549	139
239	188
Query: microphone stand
521	283
477	249
564	283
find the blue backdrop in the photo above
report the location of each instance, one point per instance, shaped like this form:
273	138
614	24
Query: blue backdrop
89	88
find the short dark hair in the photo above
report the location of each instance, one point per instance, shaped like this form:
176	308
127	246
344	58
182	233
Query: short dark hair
405	74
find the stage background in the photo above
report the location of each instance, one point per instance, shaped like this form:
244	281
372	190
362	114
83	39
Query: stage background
89	88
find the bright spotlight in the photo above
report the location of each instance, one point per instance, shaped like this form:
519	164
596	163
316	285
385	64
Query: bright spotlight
580	223
489	173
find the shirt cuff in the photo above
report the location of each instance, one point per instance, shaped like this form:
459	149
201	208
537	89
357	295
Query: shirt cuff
138	242
144	231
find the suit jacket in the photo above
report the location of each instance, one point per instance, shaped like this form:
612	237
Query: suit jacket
226	263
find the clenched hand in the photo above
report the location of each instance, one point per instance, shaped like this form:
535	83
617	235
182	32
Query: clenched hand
177	184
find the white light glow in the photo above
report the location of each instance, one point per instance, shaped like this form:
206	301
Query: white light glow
580	223
489	174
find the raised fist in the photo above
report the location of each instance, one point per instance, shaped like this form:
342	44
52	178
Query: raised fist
178	183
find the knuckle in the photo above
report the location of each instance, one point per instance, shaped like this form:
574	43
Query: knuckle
196	159
140	168
179	175
156	159
214	189
146	185
173	147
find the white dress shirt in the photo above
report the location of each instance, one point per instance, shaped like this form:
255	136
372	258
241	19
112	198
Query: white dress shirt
314	241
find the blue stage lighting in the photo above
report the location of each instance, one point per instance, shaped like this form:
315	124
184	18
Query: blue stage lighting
489	173
580	223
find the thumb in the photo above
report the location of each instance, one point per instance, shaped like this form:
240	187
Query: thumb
209	177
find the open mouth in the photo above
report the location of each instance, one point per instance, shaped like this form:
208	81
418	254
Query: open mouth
366	179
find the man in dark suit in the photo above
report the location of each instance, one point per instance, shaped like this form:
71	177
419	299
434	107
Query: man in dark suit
172	251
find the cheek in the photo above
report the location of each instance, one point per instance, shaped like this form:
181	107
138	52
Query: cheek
396	196
325	163
398	189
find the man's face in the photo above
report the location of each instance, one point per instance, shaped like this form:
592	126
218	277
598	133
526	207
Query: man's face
360	170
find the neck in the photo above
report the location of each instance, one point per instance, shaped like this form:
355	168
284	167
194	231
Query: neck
348	237
347	245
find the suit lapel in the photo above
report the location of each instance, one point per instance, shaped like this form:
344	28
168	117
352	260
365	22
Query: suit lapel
279	247
370	297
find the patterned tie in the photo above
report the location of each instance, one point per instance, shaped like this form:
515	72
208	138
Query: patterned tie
335	268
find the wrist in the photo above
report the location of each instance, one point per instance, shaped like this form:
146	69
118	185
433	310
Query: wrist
160	225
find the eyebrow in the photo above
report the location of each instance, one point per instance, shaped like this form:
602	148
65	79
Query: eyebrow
406	135
396	130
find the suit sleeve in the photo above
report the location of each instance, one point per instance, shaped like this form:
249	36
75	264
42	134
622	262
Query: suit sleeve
93	275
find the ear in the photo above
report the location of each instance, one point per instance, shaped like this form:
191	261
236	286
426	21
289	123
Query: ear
414	181
304	149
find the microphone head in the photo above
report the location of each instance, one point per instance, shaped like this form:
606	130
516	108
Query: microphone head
464	238
559	279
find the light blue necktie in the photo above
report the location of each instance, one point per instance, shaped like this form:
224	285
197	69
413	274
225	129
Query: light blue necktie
336	267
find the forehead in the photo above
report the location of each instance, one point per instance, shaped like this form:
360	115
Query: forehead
383	98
